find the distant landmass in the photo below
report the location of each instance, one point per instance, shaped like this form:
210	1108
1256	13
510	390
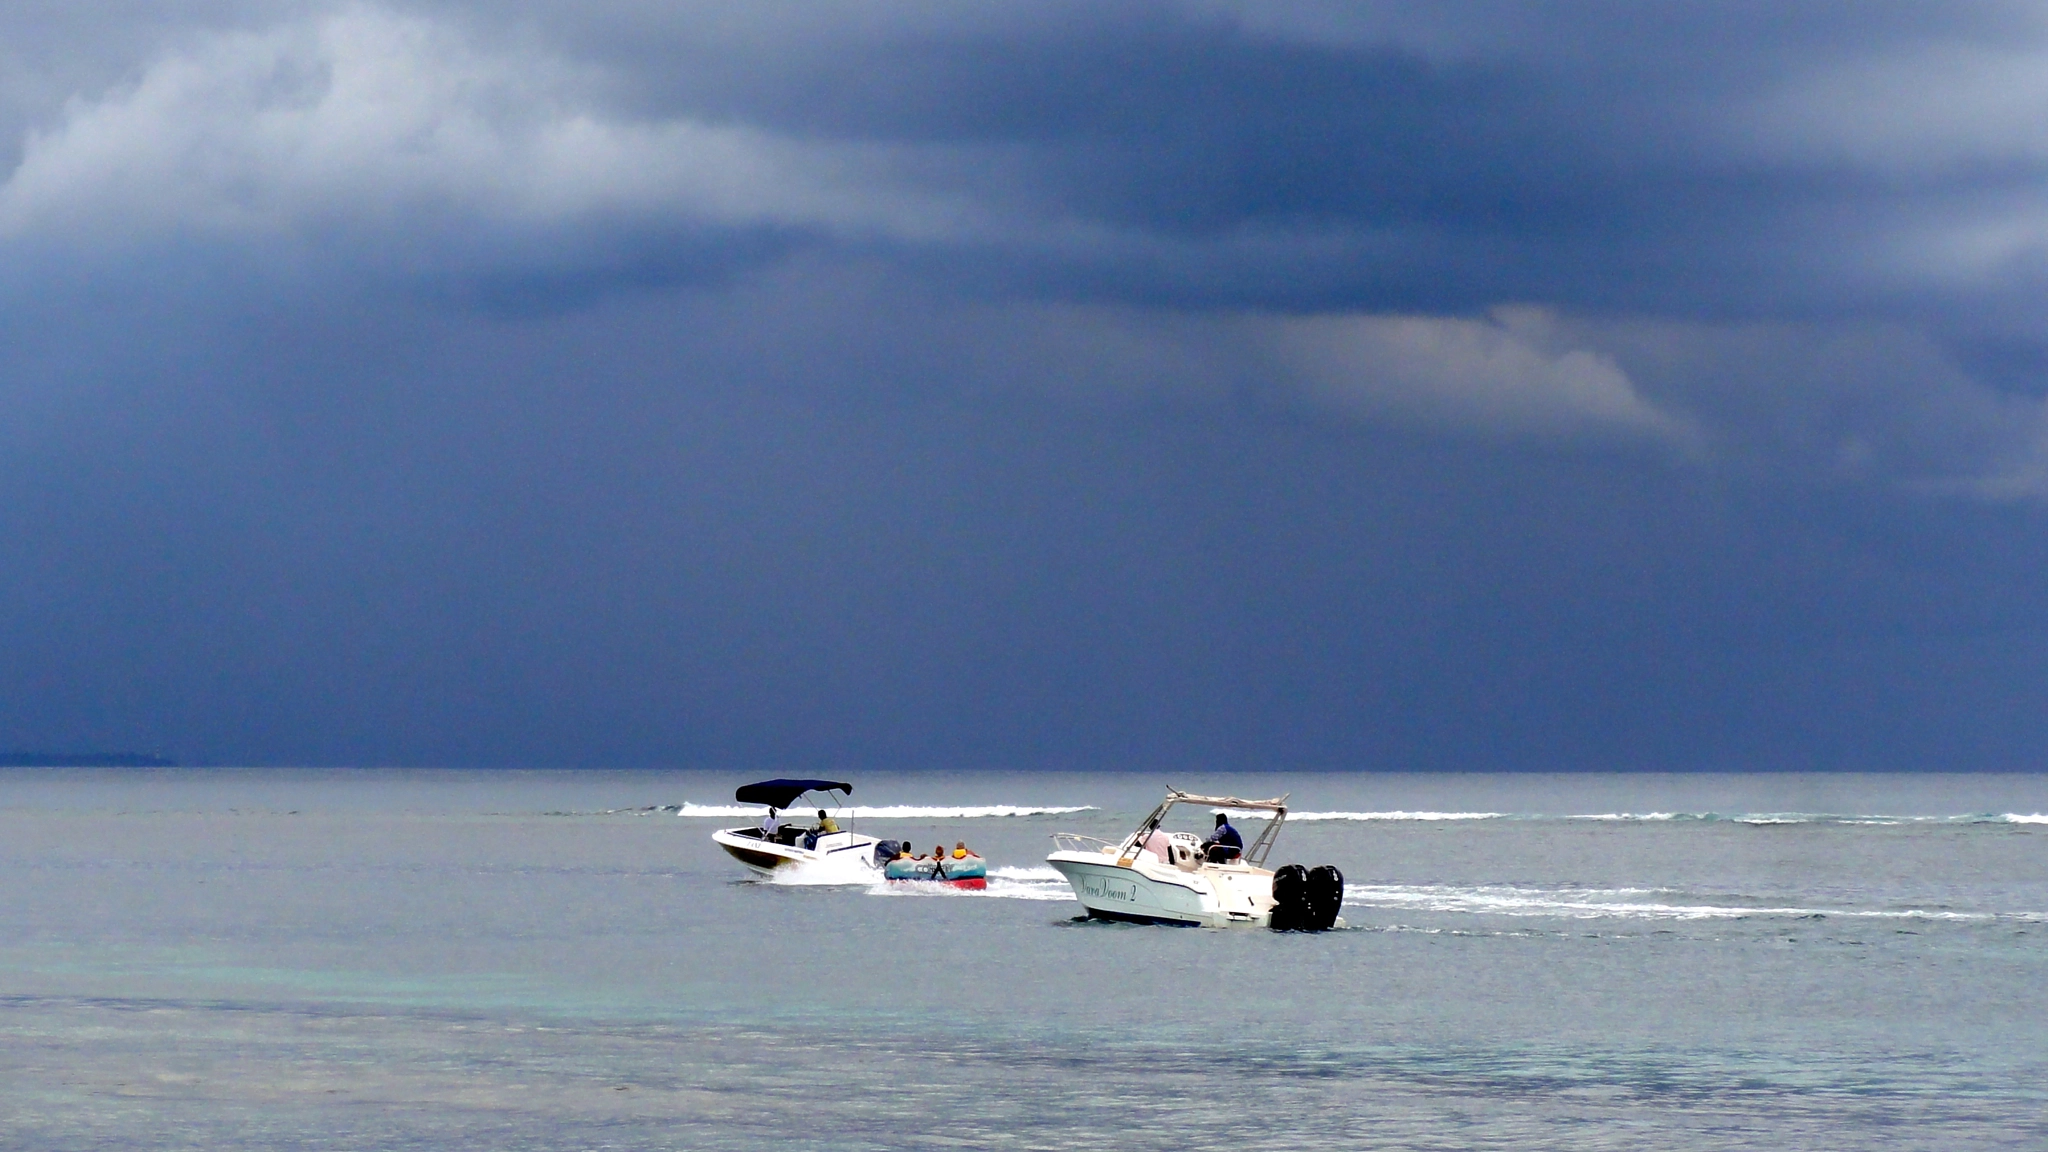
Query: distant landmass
82	760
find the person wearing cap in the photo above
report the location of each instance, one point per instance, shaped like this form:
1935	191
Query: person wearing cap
1224	843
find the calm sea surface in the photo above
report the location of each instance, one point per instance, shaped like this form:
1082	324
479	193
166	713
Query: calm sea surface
382	959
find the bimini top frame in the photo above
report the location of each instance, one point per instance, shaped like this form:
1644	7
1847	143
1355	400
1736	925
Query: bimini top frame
1254	853
780	793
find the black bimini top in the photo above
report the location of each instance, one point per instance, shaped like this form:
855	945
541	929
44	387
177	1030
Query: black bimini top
778	793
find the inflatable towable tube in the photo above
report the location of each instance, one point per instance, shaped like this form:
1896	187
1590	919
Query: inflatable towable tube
971	872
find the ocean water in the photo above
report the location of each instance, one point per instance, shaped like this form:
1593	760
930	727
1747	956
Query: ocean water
511	960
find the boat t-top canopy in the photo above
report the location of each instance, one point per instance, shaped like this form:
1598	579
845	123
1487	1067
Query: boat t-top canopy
1277	804
1254	853
778	793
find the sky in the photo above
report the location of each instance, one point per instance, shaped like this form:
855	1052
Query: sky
1158	385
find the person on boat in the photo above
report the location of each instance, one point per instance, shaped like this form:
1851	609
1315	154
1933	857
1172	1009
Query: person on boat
960	851
903	851
1156	843
1224	843
770	824
826	825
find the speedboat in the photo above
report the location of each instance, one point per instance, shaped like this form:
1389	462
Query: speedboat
1157	877
816	850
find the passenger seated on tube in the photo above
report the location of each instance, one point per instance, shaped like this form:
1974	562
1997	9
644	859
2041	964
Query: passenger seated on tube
1224	844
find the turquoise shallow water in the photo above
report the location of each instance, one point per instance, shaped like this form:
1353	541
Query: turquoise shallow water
374	959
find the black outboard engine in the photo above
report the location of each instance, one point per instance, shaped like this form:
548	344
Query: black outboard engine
1306	900
885	851
1290	899
1325	897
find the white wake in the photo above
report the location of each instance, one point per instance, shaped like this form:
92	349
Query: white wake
1004	883
1618	903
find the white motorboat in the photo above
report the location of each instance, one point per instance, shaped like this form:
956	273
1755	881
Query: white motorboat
1154	876
818	851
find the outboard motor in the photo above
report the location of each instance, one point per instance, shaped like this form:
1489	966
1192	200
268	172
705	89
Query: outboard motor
1290	899
1325	897
885	851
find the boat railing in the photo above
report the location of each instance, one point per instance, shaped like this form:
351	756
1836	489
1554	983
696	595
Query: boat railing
1074	842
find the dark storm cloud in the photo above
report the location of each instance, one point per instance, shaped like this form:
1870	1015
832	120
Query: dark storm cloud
1675	159
1295	384
1672	158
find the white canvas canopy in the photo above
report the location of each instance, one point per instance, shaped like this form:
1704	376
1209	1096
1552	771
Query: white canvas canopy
1254	853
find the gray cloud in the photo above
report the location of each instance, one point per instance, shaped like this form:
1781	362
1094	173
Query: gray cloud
903	383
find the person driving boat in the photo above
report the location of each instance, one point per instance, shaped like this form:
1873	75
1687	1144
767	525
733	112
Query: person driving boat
1224	844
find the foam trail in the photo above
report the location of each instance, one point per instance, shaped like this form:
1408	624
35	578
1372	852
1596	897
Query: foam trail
1004	883
1619	903
1313	816
1037	882
892	811
1040	873
1018	890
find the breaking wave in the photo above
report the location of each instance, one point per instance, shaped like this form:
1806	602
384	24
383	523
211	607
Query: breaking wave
883	812
1314	816
982	811
1753	818
1769	818
1756	818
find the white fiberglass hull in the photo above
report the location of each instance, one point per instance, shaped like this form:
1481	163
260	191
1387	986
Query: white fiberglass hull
1146	891
837	857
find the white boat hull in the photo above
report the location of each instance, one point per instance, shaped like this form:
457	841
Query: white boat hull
842	857
1145	891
